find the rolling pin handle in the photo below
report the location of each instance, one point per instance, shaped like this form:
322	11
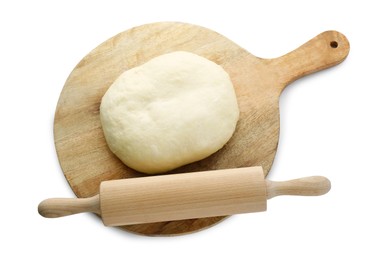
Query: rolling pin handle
60	207
308	186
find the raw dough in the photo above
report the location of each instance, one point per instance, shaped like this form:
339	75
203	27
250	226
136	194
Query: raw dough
175	109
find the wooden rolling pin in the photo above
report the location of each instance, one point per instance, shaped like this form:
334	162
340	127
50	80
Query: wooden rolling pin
183	196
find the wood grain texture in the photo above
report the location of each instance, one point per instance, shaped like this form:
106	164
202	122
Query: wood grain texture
183	196
81	148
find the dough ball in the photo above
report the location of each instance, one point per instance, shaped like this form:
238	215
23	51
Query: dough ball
175	109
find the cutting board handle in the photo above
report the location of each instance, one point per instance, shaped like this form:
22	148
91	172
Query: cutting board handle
323	51
60	207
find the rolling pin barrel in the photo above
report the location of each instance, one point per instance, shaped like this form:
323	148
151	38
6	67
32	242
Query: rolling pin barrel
183	196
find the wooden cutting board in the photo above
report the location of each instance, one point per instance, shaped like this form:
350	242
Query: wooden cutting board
84	156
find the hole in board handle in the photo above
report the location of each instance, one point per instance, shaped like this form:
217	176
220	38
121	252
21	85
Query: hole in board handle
333	44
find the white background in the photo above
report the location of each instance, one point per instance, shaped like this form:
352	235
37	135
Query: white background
330	125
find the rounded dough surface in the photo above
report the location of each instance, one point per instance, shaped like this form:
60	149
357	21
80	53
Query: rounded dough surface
175	109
